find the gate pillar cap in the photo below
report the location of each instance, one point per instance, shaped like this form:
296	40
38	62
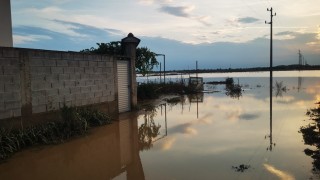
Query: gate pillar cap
131	39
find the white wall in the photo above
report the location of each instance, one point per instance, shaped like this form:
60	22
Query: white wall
5	24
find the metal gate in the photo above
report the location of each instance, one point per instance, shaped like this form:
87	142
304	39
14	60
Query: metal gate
123	86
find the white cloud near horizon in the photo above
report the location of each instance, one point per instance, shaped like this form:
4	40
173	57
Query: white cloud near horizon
23	39
203	28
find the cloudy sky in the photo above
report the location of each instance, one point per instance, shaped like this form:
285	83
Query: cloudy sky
217	34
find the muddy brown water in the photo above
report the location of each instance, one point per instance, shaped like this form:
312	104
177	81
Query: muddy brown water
205	136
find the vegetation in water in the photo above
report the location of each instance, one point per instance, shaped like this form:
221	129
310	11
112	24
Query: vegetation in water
75	122
174	100
241	167
153	90
311	136
280	88
233	90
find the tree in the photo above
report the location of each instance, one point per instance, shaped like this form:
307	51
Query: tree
145	59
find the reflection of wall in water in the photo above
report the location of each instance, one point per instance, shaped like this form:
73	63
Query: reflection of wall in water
196	98
106	153
196	83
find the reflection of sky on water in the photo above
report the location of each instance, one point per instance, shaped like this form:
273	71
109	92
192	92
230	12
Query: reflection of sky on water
230	132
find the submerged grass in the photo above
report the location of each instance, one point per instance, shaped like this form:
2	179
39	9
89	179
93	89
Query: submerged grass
75	122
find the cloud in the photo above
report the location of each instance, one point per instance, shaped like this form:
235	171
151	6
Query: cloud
205	20
45	11
286	100
185	128
209	55
87	30
23	39
42	38
282	175
286	35
283	33
114	31
233	115
180	11
149	2
167	143
247	116
146	2
316	43
188	128
247	20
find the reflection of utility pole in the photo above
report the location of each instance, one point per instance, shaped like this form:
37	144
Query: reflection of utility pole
271	143
197	107
271	69
165	117
197	87
165	122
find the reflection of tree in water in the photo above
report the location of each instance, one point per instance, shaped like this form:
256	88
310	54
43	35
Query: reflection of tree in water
280	88
311	136
233	90
148	130
175	100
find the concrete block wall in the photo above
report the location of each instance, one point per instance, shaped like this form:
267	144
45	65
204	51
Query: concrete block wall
37	81
10	98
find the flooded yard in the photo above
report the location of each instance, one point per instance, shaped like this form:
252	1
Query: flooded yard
205	136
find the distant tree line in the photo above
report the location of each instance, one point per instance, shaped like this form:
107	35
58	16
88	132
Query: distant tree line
254	69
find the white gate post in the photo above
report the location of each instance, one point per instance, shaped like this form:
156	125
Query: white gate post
130	44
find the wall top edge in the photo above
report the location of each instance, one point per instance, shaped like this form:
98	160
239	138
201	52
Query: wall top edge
48	52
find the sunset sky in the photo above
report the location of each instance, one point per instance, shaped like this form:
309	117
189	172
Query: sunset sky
217	34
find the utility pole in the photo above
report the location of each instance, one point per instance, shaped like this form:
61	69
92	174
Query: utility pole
271	69
197	71
164	66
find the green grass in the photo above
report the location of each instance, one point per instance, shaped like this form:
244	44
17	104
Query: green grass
75	122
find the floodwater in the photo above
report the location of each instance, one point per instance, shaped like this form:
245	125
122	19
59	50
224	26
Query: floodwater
204	136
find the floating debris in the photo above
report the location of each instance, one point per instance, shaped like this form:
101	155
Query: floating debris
241	168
